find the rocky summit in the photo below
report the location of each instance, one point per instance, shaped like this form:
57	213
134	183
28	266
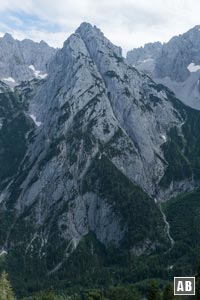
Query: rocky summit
23	60
89	154
175	64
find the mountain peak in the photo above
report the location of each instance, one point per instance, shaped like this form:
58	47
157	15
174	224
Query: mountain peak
86	28
197	27
8	37
43	43
85	25
94	36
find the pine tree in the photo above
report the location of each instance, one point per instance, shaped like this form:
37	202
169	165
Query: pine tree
168	293
6	292
154	293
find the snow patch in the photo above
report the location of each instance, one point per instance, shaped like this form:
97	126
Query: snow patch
32	68
164	137
43	76
147	60
31	242
3	252
2	197
37	123
193	68
37	73
10	79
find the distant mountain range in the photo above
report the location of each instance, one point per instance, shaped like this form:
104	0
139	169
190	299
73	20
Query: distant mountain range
23	60
175	64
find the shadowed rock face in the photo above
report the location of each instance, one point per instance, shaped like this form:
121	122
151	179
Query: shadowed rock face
178	54
95	159
144	58
23	60
175	64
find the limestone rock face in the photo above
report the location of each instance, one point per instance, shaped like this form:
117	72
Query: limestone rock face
175	64
144	58
23	60
178	54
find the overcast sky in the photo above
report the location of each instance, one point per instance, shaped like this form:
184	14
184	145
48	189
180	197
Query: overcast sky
127	23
